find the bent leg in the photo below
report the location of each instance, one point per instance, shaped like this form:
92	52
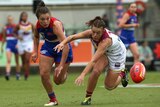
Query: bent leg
97	70
62	76
92	81
45	67
112	80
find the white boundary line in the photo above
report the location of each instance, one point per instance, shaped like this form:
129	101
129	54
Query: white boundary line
154	85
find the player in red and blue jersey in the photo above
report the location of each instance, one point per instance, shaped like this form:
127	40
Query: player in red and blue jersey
51	29
11	43
128	24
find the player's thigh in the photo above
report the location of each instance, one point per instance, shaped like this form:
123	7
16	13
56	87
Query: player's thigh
101	64
134	48
111	78
45	64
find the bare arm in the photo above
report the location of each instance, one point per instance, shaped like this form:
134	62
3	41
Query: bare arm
123	21
58	30
100	51
36	40
33	28
36	44
84	34
3	38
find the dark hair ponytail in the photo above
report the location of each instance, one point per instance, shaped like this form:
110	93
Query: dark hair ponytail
97	22
41	9
41	4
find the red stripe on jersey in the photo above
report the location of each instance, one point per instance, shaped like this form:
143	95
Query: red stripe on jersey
104	36
130	14
52	20
8	26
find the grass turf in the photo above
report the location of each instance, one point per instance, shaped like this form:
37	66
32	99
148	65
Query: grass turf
32	94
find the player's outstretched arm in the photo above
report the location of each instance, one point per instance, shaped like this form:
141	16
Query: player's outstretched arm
84	34
100	51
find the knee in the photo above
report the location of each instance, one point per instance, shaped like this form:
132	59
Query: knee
58	81
109	87
96	72
44	75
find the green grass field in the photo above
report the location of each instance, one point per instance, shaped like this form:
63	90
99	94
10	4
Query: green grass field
32	94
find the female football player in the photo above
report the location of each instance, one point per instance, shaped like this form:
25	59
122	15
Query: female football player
110	51
24	33
128	24
11	43
53	33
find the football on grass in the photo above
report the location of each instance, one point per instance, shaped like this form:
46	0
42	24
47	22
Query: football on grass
137	72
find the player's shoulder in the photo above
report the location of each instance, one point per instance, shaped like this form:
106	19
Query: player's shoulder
38	25
130	14
106	34
54	21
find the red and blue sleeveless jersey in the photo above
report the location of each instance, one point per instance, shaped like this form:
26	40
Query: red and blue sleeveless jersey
9	30
127	34
132	19
11	41
51	40
47	33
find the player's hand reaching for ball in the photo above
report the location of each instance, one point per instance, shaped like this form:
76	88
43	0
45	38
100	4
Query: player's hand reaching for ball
79	80
59	47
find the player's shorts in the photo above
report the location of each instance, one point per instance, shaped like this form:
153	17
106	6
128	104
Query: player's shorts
11	46
25	47
127	37
47	49
117	63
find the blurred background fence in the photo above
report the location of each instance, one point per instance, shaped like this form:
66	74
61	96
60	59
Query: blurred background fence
75	13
